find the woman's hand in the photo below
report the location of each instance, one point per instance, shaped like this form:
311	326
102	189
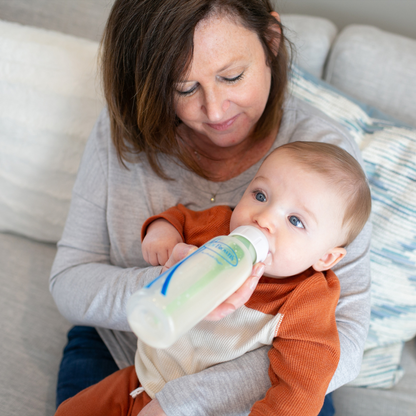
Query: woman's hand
152	409
237	299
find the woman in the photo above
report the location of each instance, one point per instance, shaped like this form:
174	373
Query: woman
196	99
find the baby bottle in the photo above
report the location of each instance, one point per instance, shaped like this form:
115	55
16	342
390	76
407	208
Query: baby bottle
179	298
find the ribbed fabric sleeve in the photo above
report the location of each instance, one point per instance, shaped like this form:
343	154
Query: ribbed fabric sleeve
195	227
306	351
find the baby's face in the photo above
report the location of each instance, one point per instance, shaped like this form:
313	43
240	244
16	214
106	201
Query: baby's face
300	214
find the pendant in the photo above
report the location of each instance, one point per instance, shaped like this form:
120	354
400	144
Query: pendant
213	198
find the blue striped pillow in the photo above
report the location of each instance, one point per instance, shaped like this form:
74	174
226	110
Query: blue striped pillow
389	152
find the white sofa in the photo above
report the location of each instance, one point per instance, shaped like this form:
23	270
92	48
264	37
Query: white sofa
48	103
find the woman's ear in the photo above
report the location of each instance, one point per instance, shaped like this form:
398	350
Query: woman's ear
330	259
275	41
275	15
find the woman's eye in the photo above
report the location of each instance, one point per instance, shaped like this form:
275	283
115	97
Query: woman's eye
188	92
260	196
235	79
296	222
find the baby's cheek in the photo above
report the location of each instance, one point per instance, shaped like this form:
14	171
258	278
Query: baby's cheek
236	219
283	264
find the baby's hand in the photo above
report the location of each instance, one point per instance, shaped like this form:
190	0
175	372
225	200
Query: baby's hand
157	245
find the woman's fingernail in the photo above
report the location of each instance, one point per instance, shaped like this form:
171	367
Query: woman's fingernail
227	311
254	282
191	250
260	269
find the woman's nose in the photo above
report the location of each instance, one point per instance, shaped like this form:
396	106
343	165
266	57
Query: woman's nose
215	105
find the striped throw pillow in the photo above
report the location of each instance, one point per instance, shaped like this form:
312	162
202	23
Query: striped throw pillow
389	152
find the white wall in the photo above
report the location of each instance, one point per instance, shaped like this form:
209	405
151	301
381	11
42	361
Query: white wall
398	16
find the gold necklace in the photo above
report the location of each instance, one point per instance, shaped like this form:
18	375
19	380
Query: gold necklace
213	195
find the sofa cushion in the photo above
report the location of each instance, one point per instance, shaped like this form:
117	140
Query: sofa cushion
377	67
312	38
49	101
33	332
388	151
400	400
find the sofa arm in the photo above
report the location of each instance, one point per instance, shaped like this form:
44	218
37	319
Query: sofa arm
312	38
376	67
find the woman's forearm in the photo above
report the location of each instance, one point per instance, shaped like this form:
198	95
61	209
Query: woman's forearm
354	308
230	388
105	291
86	287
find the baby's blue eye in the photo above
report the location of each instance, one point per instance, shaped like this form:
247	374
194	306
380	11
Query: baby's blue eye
260	196
296	221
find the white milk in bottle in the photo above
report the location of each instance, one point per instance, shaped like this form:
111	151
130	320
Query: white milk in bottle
182	296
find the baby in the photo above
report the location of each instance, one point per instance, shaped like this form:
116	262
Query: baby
310	200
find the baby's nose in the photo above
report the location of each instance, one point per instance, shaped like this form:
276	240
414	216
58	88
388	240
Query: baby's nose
265	221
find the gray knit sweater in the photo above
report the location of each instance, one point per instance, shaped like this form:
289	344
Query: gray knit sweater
99	263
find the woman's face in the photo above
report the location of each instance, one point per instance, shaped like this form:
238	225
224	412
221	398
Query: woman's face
227	87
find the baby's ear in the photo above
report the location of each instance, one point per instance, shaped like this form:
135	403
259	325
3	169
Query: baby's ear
330	259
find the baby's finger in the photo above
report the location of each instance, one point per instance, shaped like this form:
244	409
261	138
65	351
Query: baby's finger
154	259
179	252
149	257
163	257
145	256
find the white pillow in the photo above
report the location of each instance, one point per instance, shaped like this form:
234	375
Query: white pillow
49	101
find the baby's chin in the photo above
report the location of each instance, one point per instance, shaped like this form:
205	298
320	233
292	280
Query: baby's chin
271	269
276	273
281	268
274	276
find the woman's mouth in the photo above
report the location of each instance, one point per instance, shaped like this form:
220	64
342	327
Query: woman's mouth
223	126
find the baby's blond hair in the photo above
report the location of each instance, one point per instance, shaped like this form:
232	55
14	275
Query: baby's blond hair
343	171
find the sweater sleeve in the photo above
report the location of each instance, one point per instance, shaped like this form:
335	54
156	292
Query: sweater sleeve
174	215
306	351
88	288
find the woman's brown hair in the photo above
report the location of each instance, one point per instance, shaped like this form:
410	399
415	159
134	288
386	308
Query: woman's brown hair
147	47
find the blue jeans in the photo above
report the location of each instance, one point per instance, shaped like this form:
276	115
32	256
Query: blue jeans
86	361
328	407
